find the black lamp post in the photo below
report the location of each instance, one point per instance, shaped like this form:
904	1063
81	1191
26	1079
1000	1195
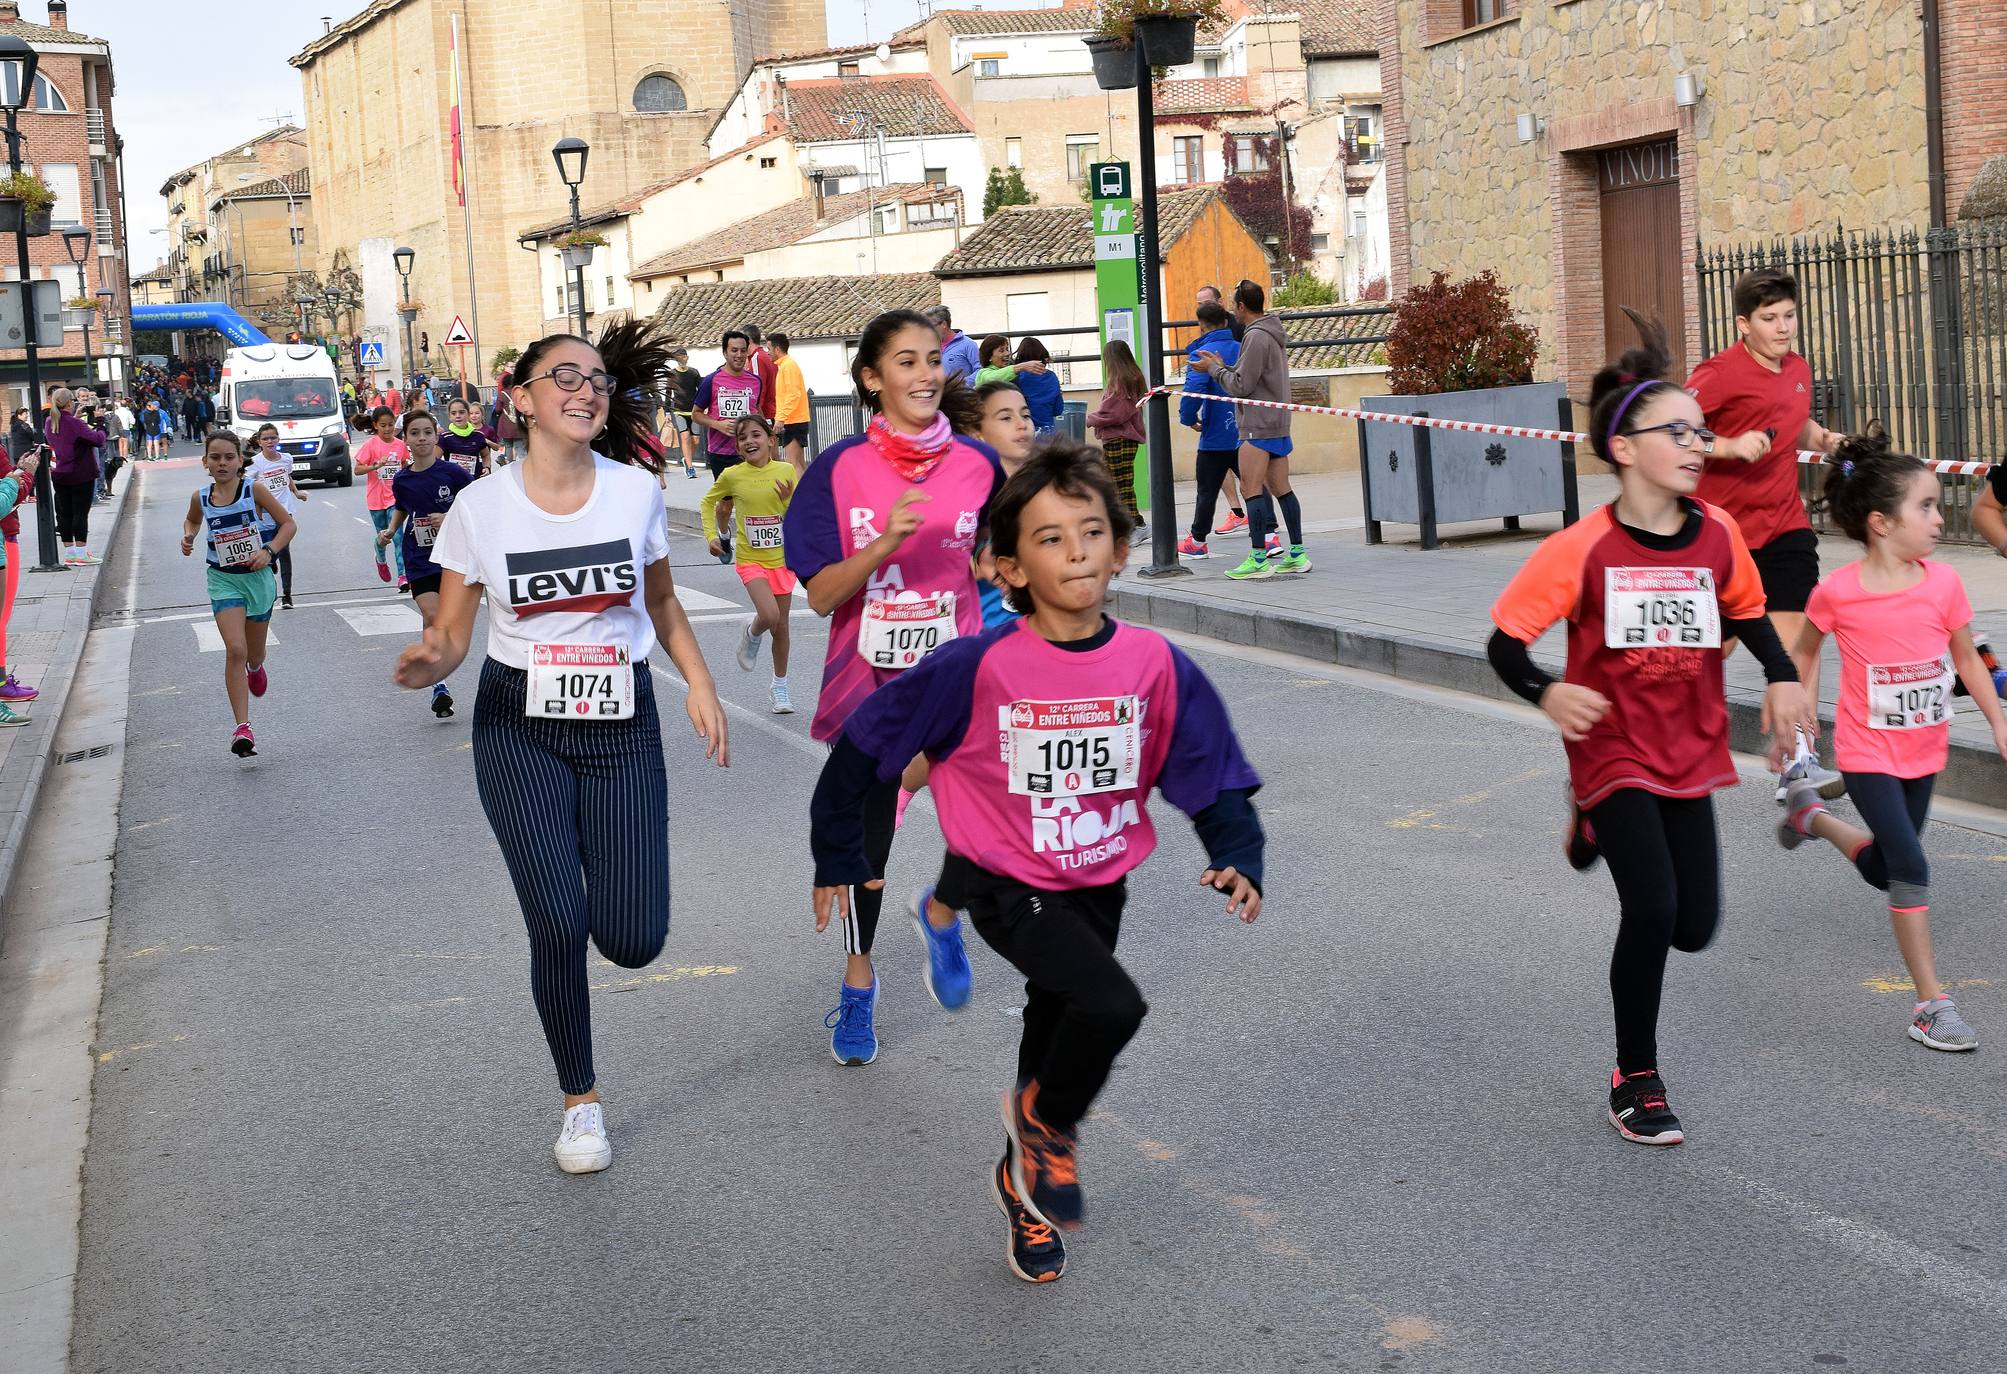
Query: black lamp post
107	299
570	155
17	58
77	243
404	257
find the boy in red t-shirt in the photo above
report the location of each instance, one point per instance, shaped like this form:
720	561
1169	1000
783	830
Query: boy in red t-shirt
1756	395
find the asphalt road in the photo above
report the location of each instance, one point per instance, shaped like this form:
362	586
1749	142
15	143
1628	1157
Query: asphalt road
1365	1133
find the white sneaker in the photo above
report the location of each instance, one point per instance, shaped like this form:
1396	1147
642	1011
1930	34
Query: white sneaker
582	1146
749	649
782	706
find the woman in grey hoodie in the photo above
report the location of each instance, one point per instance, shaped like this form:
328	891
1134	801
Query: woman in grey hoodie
1261	373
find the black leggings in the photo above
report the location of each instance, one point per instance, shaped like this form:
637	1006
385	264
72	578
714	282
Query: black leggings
1896	810
73	511
283	561
1214	464
881	820
1080	1005
1666	863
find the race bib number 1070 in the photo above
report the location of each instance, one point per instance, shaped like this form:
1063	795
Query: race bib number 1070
1072	748
579	682
1660	608
898	634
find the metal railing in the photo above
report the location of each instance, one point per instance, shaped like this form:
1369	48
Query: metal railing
94	126
102	216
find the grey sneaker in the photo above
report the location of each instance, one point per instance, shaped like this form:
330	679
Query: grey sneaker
1938	1025
749	649
1800	804
1832	786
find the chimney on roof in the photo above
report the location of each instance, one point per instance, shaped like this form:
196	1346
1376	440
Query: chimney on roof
10	13
59	14
821	204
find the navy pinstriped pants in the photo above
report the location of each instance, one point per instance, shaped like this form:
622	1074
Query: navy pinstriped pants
581	811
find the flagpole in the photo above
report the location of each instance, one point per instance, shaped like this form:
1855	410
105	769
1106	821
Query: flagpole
466	189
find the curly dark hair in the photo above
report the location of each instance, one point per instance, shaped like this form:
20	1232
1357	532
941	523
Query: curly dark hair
1621	392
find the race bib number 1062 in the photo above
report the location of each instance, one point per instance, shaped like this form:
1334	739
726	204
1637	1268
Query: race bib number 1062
1660	608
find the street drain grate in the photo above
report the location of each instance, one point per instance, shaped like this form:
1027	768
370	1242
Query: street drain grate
80	755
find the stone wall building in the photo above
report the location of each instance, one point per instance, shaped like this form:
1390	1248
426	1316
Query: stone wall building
263	242
193	234
69	139
641	83
1581	150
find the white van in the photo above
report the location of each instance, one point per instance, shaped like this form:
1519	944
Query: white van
293	386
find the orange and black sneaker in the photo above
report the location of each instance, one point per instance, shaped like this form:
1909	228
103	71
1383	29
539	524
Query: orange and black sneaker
1044	1163
1035	1254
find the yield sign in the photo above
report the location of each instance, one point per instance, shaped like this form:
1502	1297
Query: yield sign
458	336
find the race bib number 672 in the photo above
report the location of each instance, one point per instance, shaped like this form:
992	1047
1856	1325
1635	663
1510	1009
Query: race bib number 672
1660	608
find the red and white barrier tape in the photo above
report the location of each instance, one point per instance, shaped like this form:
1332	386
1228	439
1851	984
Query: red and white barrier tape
1562	436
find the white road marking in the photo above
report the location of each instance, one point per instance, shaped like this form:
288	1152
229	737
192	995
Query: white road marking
383	620
209	639
359	520
312	606
694	600
764	724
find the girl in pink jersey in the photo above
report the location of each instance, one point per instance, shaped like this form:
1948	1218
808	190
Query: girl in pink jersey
382	456
880	532
1904	628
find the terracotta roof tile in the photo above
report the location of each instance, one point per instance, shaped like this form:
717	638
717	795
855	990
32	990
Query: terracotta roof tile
1336	28
300	183
631	202
1205	95
1369	327
800	307
820	111
1074	18
1039	238
790	223
42	33
896	43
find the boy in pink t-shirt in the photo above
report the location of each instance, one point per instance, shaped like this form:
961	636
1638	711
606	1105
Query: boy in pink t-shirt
1045	737
1903	625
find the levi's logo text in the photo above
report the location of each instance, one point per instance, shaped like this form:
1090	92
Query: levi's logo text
586	579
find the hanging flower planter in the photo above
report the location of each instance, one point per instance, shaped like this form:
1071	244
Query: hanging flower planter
1114	63
13	212
577	257
1167	40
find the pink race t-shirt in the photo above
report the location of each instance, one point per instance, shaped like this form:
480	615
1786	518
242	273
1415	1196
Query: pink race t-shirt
389	459
840	506
1896	672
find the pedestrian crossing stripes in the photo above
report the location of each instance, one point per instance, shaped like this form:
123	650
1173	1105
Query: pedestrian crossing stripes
209	640
383	620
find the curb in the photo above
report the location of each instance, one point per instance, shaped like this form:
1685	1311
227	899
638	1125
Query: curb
35	754
1971	774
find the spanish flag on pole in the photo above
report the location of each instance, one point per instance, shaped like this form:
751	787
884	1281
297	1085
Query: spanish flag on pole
459	165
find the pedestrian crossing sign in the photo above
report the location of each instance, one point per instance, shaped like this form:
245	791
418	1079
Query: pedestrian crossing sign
459	336
370	352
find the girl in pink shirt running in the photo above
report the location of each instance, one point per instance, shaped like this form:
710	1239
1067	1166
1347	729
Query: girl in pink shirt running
1904	626
382	456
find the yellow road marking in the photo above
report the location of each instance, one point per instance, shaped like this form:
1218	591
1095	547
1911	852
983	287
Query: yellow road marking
107	1056
1900	982
673	975
1423	816
151	950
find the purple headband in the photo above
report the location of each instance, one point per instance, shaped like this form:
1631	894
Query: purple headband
1624	405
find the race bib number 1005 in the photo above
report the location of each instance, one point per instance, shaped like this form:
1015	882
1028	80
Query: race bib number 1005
1072	748
579	682
1660	608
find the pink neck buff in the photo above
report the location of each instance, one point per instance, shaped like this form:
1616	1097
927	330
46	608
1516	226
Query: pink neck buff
912	456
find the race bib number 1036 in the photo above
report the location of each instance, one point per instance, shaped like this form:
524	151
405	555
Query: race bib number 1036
1660	608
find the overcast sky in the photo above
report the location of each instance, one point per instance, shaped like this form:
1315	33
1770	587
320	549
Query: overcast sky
186	88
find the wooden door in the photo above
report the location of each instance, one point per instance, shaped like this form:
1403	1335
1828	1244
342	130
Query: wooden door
1644	265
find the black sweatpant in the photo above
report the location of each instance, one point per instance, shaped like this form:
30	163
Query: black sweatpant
881	822
581	812
73	510
283	561
1666	862
1896	810
1213	466
1081	1006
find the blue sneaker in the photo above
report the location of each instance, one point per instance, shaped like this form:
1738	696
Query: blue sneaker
854	1041
947	973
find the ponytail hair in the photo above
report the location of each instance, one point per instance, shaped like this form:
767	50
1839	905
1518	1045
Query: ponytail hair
1621	391
636	354
1866	476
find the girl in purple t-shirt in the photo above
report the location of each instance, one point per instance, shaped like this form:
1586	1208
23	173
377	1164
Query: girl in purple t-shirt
880	531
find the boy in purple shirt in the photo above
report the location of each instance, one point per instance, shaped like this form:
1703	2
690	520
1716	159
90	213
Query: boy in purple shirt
422	492
1045	737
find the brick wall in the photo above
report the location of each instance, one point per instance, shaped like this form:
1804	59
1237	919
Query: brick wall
1973	41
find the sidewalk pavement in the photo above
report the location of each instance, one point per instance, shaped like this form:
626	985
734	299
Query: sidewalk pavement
45	642
1425	616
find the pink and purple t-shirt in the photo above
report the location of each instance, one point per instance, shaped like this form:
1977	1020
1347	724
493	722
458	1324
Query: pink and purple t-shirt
840	506
728	396
1896	671
1044	756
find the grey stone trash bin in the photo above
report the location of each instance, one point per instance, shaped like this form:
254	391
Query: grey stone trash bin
1414	475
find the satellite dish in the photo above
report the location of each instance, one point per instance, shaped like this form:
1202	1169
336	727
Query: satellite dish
884	53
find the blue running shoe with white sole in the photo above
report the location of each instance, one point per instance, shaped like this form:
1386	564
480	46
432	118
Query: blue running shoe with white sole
947	976
854	1039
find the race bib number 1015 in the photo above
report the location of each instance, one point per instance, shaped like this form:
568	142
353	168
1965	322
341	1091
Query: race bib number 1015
1072	748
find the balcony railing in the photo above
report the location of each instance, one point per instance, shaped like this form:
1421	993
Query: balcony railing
103	216
94	127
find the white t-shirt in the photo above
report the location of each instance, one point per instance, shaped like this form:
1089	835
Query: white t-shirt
276	476
559	579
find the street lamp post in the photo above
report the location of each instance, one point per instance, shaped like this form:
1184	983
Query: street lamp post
15	52
107	299
404	257
570	155
77	243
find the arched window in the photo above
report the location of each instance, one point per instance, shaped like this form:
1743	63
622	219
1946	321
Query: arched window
659	94
47	97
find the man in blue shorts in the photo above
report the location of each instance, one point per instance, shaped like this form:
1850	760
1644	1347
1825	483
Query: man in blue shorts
1261	373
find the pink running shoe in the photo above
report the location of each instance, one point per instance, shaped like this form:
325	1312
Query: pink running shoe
1231	523
11	690
242	744
383	571
258	680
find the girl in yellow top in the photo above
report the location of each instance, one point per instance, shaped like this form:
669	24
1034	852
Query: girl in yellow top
758	490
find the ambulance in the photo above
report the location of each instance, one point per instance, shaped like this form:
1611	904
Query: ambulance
293	386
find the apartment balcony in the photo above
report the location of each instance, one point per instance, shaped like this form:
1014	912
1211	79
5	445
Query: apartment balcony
94	126
104	227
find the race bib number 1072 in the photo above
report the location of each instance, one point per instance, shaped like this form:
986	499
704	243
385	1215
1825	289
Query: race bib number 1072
1660	608
1909	696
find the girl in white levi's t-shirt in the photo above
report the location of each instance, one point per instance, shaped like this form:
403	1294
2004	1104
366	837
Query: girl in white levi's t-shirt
568	546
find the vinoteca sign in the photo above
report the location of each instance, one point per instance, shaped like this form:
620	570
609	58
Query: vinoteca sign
1641	164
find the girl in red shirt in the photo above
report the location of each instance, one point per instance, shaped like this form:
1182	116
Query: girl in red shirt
1650	587
1903	624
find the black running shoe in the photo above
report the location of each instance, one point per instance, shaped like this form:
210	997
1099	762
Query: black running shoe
1044	1163
1580	844
442	704
1638	1109
1035	1254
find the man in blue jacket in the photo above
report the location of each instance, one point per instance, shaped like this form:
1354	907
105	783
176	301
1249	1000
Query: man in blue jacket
1219	434
958	350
